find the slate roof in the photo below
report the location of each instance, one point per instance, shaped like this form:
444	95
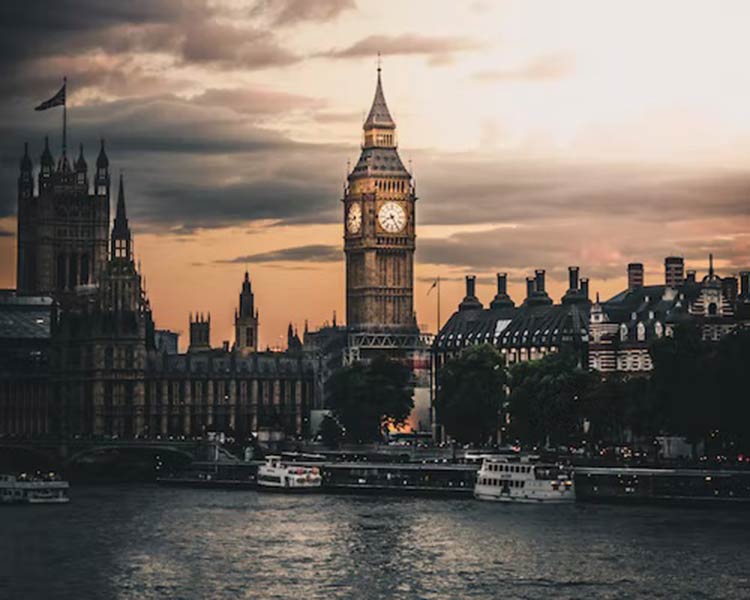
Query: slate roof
383	162
523	327
379	116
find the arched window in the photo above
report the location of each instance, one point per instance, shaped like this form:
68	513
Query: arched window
712	309
658	329
623	332
109	357
641	332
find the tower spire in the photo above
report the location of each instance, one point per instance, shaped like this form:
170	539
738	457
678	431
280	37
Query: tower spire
121	238
379	116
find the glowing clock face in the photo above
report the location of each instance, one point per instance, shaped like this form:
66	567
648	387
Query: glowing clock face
392	217
354	218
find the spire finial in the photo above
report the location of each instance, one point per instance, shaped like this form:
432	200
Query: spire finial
380	63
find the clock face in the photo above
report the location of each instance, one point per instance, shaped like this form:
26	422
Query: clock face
392	217
354	218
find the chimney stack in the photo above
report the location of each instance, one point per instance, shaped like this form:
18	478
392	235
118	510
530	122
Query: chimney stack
502	284
573	278
690	278
585	287
501	299
539	273
674	271
635	275
529	287
470	301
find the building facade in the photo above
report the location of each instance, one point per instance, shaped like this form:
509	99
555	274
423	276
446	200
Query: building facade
624	327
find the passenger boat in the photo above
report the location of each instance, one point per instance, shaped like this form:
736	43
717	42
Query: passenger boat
274	475
24	489
523	479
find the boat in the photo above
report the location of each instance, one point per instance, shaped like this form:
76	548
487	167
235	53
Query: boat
275	476
38	489
523	479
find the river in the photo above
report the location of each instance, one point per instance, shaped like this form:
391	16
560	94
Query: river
145	541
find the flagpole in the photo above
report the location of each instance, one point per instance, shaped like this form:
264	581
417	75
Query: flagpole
65	116
438	305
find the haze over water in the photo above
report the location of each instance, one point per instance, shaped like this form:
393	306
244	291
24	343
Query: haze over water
151	542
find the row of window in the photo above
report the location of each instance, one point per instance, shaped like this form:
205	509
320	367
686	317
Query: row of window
502	482
502	468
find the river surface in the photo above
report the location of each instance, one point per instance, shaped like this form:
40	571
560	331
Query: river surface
150	542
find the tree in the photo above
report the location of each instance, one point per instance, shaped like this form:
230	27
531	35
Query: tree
366	399
471	394
547	397
330	432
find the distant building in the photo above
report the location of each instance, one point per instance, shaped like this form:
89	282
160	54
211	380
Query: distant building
624	327
532	330
88	360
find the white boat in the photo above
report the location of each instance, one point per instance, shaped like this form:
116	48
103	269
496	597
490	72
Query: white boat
523	479
274	475
33	490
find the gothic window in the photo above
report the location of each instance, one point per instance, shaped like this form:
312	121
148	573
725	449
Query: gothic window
623	332
129	358
109	357
641	332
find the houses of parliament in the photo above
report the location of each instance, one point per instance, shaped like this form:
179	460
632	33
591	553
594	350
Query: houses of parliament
80	354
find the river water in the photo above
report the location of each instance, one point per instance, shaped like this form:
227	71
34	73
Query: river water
152	542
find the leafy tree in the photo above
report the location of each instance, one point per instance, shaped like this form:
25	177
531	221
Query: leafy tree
547	396
471	394
330	432
366	399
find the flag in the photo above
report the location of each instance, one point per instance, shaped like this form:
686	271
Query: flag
432	287
57	100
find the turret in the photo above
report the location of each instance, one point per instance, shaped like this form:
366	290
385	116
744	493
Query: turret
121	248
25	177
101	183
46	162
200	333
81	169
246	319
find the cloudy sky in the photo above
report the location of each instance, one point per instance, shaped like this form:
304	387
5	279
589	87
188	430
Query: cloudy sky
541	133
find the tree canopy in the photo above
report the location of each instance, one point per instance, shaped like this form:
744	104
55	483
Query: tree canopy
471	394
367	398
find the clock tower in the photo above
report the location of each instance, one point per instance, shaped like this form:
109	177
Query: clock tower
379	233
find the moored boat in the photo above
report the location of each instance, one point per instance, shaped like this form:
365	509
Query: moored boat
276	476
523	479
25	489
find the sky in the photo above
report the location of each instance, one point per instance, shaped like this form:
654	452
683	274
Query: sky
541	134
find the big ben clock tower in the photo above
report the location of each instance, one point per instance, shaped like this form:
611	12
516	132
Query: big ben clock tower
379	232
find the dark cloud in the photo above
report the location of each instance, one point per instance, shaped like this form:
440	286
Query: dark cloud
542	68
309	253
291	12
234	47
438	49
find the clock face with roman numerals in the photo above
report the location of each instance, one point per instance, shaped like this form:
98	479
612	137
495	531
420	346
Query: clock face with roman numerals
392	217
354	218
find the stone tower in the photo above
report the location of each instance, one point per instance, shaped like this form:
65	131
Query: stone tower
246	320
63	228
379	232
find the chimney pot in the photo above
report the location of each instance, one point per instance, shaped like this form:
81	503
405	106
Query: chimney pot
573	278
471	282
529	286
502	283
